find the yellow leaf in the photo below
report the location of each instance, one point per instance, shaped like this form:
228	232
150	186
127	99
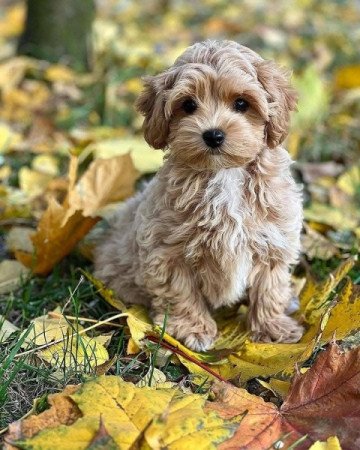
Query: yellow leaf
46	164
132	347
334	217
107	294
145	159
348	77
12	22
79	352
8	138
32	182
343	315
152	378
139	323
263	359
280	386
58	72
332	443
11	273
314	295
349	181
132	417
5	172
67	346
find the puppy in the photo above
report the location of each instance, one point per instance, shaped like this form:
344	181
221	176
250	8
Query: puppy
223	215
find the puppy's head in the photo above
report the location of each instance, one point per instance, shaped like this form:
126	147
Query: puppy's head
217	107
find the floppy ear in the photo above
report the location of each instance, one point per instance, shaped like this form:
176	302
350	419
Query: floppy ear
151	104
282	100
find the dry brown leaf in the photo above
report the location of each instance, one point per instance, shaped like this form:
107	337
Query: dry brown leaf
106	181
62	226
11	273
315	245
52	241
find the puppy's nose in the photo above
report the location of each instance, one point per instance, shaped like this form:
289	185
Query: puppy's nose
213	138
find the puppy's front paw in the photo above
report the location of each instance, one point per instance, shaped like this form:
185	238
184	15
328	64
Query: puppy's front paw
198	336
278	329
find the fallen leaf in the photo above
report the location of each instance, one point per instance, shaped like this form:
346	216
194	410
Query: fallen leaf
145	159
313	98
154	378
8	138
52	240
133	418
62	226
331	443
342	315
46	164
58	72
311	172
334	217
314	295
66	345
6	329
349	181
326	399
106	181
11	274
19	238
32	182
347	77
322	402
315	245
106	293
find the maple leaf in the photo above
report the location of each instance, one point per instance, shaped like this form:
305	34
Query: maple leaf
321	403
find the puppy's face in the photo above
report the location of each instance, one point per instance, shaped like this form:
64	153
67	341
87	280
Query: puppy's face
217	107
217	119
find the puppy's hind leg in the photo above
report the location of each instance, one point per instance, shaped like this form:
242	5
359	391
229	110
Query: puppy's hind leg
188	318
269	296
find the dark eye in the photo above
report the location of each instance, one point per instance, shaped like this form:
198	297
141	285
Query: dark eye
189	106
241	105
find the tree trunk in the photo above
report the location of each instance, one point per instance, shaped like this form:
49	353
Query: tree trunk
59	31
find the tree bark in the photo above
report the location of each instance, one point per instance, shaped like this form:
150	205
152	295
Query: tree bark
59	31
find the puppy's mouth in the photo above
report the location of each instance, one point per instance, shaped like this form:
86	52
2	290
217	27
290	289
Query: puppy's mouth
214	151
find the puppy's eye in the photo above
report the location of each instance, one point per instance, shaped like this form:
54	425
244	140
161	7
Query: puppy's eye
241	105
189	106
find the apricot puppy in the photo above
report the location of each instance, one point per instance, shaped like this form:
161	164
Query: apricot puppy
223	215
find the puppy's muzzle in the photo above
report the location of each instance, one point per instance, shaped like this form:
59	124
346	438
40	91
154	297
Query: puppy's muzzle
214	138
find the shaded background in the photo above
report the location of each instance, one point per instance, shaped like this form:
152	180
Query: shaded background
71	71
316	39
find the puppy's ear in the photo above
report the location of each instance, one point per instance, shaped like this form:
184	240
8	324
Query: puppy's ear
151	104
282	100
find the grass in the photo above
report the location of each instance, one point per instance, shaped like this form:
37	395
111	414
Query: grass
23	379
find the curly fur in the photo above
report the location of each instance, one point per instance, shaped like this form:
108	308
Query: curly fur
209	227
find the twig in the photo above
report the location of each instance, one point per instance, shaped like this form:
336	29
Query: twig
49	344
56	315
188	357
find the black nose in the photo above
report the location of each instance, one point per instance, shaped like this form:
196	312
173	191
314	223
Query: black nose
213	138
